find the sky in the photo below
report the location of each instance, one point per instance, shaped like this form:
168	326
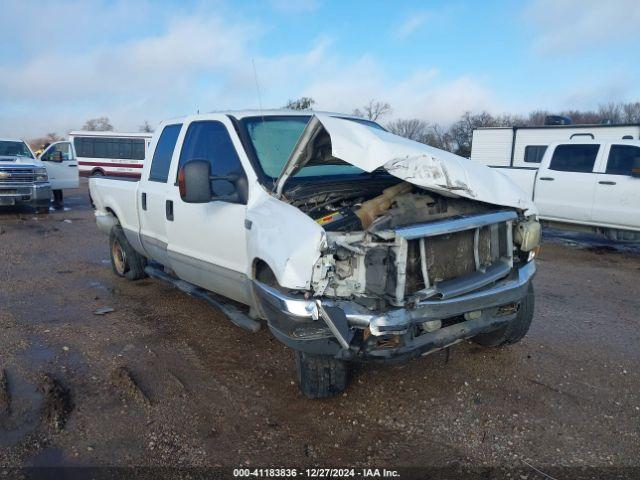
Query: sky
63	62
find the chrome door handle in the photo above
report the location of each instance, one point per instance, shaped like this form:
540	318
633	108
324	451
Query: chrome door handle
606	182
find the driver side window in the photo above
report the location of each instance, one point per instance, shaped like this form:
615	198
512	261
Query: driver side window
209	140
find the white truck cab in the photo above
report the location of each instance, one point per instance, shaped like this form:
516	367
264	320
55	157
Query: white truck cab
349	242
23	178
585	184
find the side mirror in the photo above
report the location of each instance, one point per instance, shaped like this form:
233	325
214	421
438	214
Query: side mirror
194	183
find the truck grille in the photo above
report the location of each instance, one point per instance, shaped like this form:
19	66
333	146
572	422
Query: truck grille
16	175
451	257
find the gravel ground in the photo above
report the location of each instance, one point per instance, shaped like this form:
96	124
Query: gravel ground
165	380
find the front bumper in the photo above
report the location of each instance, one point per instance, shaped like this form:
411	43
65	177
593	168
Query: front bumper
329	326
37	194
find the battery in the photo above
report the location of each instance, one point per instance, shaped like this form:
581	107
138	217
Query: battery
342	220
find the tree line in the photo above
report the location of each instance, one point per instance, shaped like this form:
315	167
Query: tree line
454	138
457	137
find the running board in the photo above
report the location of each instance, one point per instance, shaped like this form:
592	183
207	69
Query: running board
235	315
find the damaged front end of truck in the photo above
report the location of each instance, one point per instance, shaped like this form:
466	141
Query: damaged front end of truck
432	251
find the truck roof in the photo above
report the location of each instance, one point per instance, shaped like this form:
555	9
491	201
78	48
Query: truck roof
91	133
266	113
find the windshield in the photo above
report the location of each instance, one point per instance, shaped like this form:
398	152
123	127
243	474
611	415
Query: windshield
14	149
274	138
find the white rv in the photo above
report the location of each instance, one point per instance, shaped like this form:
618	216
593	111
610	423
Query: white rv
525	146
110	153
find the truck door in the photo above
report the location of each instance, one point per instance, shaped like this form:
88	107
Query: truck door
152	196
565	187
62	167
207	241
617	198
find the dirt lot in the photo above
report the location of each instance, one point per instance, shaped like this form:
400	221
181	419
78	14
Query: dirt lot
165	380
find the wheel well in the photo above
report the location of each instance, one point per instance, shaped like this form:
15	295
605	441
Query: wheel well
97	171
110	211
262	271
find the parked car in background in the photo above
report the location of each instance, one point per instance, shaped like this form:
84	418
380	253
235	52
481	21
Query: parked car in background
110	153
23	178
586	185
352	243
525	146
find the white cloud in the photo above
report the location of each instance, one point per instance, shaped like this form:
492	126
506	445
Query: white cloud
571	25
425	94
411	24
199	60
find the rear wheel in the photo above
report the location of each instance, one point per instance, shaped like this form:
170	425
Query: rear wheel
321	376
97	173
515	330
125	261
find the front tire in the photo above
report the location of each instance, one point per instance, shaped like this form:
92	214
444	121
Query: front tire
515	330
321	376
125	261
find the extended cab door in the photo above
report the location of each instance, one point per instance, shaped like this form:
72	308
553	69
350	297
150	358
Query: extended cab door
565	185
61	164
207	241
153	192
617	199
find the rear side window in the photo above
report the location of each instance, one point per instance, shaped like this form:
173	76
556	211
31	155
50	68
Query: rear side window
209	140
534	153
574	158
120	148
163	153
623	160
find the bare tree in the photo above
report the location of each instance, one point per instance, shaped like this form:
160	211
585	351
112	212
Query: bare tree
302	103
631	112
373	110
457	137
100	124
412	129
146	127
40	142
461	132
439	137
610	112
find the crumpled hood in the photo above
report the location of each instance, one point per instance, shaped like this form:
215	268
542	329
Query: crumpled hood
433	169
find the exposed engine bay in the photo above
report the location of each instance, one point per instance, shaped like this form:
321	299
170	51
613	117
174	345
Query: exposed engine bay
369	262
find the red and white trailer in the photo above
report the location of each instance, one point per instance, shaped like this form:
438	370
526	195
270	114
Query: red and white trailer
110	153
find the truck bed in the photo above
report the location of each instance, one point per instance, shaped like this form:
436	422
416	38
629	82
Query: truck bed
119	196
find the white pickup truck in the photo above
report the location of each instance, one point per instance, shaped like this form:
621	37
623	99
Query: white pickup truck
25	179
351	243
591	185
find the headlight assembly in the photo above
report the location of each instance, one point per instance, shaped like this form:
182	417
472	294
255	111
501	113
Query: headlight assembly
41	175
527	235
